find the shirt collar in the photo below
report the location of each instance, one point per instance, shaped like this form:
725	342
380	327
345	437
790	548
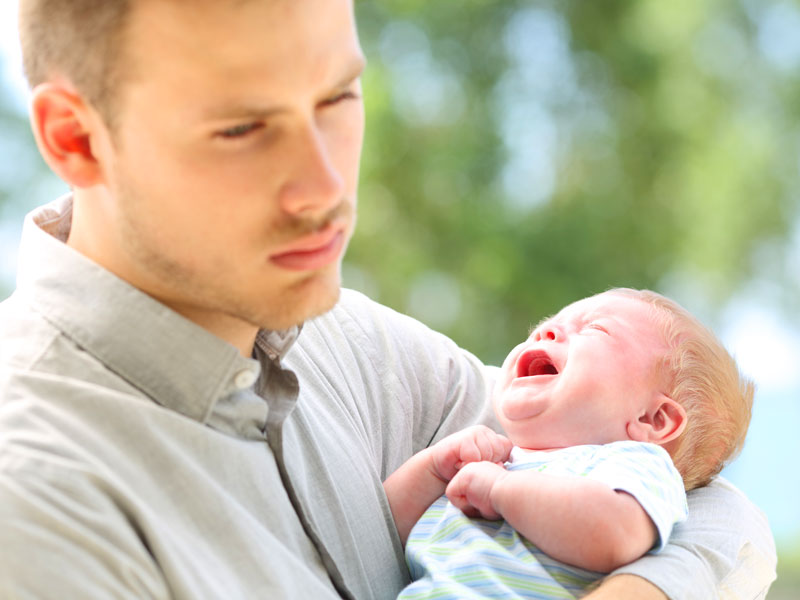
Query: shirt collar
178	364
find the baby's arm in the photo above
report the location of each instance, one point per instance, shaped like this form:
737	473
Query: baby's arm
576	520
413	487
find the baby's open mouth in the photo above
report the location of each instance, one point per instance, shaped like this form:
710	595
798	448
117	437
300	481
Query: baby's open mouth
535	362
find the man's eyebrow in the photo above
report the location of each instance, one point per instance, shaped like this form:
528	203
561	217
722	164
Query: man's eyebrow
353	72
240	110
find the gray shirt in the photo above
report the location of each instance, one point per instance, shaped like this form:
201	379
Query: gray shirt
142	457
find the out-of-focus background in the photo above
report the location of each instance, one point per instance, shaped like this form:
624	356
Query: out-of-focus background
523	154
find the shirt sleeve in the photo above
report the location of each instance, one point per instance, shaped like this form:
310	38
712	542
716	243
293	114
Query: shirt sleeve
646	472
83	548
416	386
724	550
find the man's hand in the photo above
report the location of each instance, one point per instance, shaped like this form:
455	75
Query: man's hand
471	489
474	444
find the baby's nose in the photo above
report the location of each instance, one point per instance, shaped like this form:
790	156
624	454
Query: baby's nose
547	332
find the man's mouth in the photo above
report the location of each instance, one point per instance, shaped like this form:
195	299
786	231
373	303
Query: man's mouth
532	363
313	251
314	243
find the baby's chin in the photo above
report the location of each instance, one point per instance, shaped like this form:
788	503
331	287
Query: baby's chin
516	405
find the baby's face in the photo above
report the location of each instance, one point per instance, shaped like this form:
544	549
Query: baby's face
582	376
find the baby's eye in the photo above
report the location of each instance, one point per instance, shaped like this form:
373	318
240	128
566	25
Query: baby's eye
595	327
238	131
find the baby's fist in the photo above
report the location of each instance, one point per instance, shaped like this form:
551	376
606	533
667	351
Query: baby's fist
471	489
473	444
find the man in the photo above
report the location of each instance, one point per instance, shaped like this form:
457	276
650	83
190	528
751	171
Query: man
166	427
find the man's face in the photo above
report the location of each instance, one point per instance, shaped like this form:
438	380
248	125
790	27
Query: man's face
582	376
234	162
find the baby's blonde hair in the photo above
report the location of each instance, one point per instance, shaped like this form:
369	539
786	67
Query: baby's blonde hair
704	379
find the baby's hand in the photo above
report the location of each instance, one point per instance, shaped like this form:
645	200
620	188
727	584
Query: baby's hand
473	444
471	489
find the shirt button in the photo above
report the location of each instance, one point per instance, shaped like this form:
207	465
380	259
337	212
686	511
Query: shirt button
244	378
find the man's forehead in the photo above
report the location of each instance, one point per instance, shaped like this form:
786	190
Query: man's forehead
226	34
236	107
253	54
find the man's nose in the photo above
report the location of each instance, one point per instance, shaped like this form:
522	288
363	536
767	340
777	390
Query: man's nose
313	185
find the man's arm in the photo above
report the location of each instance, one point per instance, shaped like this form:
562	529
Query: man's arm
576	520
626	587
59	541
724	550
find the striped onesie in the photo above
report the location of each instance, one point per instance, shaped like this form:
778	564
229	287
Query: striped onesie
452	556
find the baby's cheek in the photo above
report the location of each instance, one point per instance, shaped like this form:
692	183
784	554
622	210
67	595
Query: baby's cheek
511	360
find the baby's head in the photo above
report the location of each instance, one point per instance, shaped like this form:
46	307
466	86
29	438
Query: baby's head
627	365
703	377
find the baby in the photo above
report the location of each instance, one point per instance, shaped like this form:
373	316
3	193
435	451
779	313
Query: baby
612	408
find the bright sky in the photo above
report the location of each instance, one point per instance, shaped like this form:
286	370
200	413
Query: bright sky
9	46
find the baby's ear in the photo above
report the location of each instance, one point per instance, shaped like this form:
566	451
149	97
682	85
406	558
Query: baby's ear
663	421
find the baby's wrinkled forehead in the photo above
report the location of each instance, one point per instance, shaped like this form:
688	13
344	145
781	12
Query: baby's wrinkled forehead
623	309
570	312
585	309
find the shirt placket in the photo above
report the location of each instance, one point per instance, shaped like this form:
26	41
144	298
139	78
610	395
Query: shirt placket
282	390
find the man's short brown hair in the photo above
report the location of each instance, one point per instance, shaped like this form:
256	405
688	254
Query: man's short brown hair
80	40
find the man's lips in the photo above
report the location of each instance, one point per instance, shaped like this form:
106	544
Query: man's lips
312	251
532	363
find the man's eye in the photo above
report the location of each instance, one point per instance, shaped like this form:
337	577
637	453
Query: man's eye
348	95
238	131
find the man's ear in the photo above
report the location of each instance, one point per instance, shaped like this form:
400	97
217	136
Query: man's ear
663	421
63	127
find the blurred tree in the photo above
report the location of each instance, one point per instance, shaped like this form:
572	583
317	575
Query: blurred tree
521	155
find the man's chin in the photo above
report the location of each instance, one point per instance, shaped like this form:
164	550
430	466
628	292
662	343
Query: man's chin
324	305
300	305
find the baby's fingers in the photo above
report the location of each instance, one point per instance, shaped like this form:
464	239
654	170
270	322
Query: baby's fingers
470	489
492	446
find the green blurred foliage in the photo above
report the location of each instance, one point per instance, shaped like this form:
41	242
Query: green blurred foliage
521	155
787	586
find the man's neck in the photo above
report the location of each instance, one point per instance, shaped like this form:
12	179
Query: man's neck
86	236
